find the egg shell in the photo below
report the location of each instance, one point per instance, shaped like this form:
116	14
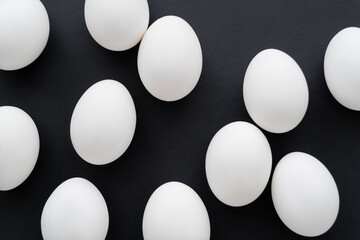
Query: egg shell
175	212
76	210
170	59
305	194
275	91
117	24
24	28
103	122
342	67
19	147
238	163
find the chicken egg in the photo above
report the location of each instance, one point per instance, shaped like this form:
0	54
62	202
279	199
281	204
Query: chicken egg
275	91
24	28
175	212
75	210
170	59
238	163
304	194
19	146
341	67
103	122
117	24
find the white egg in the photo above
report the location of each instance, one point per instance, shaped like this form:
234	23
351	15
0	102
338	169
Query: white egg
238	163
76	210
19	147
103	122
275	91
170	59
117	24
342	67
175	212
305	195
24	31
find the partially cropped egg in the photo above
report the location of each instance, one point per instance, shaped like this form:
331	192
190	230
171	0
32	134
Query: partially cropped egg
275	91
117	24
305	194
342	67
238	163
24	32
175	212
75	210
170	59
19	146
103	122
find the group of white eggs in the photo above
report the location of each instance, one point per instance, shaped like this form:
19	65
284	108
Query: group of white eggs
238	159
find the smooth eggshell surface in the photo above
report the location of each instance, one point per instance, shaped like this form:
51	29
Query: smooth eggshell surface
170	59
275	91
24	32
238	163
342	67
305	194
175	212
76	210
103	122
19	146
117	24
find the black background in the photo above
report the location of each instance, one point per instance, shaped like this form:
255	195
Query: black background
171	139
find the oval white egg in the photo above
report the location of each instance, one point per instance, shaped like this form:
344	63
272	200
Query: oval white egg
173	212
75	210
117	24
341	67
170	59
103	122
19	147
304	194
24	28
275	91
238	163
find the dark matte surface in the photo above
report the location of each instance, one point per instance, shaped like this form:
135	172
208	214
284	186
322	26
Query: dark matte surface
171	139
